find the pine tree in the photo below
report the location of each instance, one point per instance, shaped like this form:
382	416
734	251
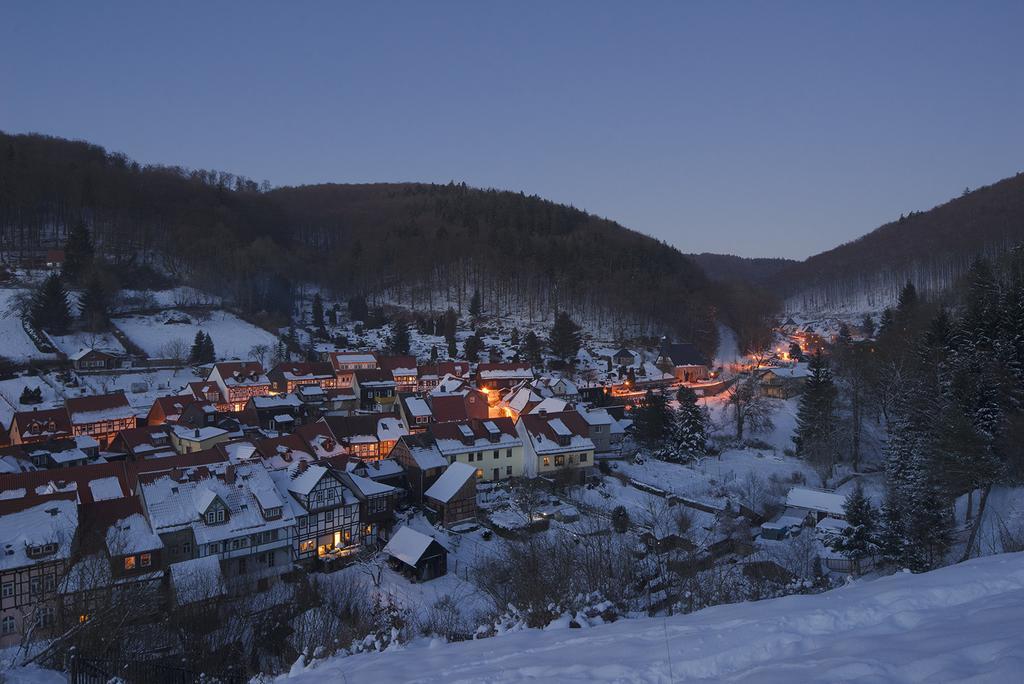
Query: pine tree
814	438
906	306
892	534
795	352
95	303
433	353
530	349
49	309
868	324
652	422
860	540
399	341
78	254
513	339
196	354
475	307
453	349
690	426
885	325
472	348
318	312
209	353
357	308
451	323
564	340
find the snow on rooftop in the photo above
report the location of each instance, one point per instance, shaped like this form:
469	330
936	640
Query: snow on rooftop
407	545
132	535
304	482
417	407
450	482
816	500
105	489
559	428
50	522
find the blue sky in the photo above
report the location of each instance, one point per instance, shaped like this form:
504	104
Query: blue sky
760	129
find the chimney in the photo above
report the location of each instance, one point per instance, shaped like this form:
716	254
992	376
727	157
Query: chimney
197	433
229	474
176	473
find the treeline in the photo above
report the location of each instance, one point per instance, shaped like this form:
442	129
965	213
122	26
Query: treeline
948	384
930	248
425	246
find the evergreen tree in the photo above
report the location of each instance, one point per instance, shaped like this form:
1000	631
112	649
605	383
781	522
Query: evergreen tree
860	540
652	422
358	309
564	340
690	426
209	353
198	350
868	324
885	325
892	535
474	345
513	339
531	350
475	307
815	436
318	311
49	309
95	303
433	353
906	307
332	315
795	352
453	349
399	341
78	254
451	323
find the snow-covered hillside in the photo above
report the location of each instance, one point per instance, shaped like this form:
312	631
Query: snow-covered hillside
955	624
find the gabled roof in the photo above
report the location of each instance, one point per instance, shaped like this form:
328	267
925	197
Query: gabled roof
548	431
504	371
343	360
398	365
27	421
424	451
472	435
47	522
408	545
817	500
302	370
682	353
172	406
97	407
451	481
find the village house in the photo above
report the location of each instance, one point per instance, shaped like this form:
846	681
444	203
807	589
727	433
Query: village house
623	357
101	416
682	360
558	387
375	389
321	441
97	360
38	534
500	376
519	399
53	454
367	437
422	462
452	497
403	371
430	375
819	502
147	441
600	426
287	376
326	513
237	382
346	363
276	413
454	399
279	453
416	555
28	427
414	412
168	409
187	440
492	446
377	502
233	512
555	442
783	382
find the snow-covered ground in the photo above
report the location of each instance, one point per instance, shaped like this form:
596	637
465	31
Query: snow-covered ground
15	343
955	624
233	338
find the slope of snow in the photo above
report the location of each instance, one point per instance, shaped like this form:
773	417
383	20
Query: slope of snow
15	343
232	337
954	624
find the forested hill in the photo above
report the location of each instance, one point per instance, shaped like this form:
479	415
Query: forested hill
728	267
931	248
415	244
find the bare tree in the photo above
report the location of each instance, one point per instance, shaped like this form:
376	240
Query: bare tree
750	409
175	350
260	353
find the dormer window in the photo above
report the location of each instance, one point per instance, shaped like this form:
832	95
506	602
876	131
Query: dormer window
272	513
215	517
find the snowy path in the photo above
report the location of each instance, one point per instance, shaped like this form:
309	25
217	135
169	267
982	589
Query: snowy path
953	624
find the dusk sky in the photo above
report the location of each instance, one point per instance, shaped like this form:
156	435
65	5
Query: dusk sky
763	129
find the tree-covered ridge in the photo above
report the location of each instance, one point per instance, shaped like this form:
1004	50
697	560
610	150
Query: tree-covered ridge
422	245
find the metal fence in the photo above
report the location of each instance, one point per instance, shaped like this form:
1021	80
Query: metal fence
86	670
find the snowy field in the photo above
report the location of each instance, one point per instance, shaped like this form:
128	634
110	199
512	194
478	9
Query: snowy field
15	343
232	337
955	624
